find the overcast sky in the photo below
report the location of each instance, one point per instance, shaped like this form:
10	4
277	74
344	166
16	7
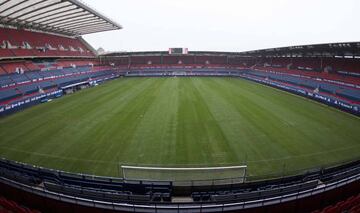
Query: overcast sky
225	25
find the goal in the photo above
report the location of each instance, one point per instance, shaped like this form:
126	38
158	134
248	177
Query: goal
187	176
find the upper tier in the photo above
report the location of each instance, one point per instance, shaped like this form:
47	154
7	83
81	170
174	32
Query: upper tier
26	44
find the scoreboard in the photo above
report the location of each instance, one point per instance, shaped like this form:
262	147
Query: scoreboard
178	51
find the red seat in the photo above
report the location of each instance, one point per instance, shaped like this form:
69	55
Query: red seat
39	41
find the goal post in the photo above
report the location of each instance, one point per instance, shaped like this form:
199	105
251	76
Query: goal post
187	176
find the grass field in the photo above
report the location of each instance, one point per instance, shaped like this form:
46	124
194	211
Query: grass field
180	122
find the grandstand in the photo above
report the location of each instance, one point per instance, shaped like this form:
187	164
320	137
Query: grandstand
332	76
43	57
41	50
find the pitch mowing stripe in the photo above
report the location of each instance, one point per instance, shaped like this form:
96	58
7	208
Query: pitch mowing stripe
219	164
304	98
179	121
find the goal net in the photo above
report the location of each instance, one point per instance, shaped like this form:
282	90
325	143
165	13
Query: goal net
187	176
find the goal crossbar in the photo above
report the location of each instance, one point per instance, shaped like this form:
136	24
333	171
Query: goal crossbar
226	174
184	168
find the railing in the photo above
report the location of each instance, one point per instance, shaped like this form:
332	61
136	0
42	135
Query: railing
182	207
249	177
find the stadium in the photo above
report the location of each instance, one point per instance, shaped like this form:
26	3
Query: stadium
268	130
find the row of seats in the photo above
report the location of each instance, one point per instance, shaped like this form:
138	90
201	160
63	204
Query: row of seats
333	88
345	92
323	75
21	43
336	77
20	177
118	189
90	187
316	65
176	69
16	79
28	66
310	83
185	60
272	188
136	187
8	94
331	177
351	205
240	196
108	195
312	64
50	80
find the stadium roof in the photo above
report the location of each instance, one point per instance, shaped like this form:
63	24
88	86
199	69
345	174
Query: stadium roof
344	49
67	17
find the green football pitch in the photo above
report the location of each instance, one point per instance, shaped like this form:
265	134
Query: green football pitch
181	122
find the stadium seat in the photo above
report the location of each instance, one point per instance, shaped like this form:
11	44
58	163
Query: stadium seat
41	44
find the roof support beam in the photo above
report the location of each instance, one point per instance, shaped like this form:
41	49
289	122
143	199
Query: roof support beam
66	18
80	4
70	20
57	31
61	15
76	22
43	27
34	11
15	5
69	14
39	16
94	31
83	23
4	2
24	8
88	25
92	28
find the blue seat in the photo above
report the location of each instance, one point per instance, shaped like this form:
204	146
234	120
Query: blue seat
5	80
33	75
8	94
350	94
28	89
18	78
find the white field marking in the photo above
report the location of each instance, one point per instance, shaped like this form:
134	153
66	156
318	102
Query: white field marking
112	162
